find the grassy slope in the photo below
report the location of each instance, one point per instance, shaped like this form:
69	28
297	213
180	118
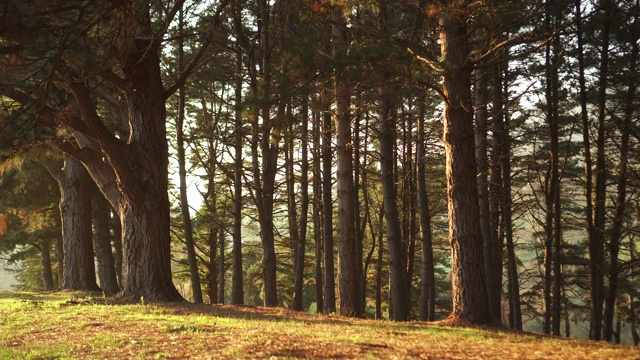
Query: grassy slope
64	326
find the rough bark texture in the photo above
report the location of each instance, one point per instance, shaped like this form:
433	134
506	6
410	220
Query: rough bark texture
75	210
469	287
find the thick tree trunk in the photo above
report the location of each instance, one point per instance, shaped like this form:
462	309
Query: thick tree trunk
102	243
427	284
75	210
465	235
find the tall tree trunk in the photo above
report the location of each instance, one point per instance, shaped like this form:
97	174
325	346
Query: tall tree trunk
237	287
304	209
482	163
515	312
196	289
102	244
264	181
596	247
347	272
427	284
317	209
398	302
621	199
465	235
75	210
359	224
327	209
588	173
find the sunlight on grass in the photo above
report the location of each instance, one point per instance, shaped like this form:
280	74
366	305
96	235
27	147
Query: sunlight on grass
74	326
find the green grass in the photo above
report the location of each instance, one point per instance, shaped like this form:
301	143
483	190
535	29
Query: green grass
66	325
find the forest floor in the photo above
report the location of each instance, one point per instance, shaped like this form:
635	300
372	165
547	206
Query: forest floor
63	325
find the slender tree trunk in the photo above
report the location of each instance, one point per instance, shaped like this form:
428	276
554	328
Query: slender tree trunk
596	247
469	285
427	284
515	312
359	224
264	181
317	209
379	264
196	289
75	209
221	265
102	243
327	211
304	209
213	265
621	199
481	152
237	287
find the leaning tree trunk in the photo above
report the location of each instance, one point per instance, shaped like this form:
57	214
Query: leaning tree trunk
75	210
187	227
470	301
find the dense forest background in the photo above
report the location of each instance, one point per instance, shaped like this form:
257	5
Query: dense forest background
389	159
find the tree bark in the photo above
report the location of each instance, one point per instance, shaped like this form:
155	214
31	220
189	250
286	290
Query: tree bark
470	301
47	273
596	247
327	209
304	209
427	284
237	285
75	210
621	199
102	243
